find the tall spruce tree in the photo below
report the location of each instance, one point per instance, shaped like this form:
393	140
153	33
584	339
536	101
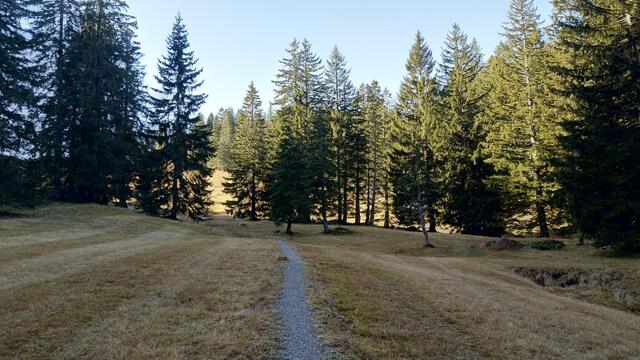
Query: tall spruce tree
356	156
55	22
151	178
187	145
299	96
522	139
601	172
104	97
348	138
16	100
340	97
290	179
224	134
248	167
470	204
413	166
376	115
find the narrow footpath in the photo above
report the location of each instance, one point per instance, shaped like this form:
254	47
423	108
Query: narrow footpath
299	339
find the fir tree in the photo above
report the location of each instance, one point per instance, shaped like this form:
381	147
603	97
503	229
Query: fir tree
248	166
469	203
151	178
600	41
346	126
187	145
55	23
105	98
16	100
522	138
413	167
376	116
299	95
290	179
224	134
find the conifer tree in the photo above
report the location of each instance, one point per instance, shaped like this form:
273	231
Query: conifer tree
469	203
54	22
16	100
290	179
105	97
224	134
93	72
355	156
248	166
151	177
299	96
376	121
600	41
187	145
522	139
412	160
347	132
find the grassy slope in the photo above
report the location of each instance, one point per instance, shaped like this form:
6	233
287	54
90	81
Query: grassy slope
100	283
94	282
380	295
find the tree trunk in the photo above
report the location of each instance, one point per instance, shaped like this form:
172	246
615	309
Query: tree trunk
122	201
357	200
340	216
254	215
542	214
367	211
432	220
387	215
423	227
174	196
345	207
325	223
59	142
289	222
374	188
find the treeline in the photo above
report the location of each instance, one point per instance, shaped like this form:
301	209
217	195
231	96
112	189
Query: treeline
542	137
78	124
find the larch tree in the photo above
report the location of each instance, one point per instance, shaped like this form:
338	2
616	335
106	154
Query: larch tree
413	166
186	145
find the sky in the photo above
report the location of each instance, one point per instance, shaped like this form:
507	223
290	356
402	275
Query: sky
239	41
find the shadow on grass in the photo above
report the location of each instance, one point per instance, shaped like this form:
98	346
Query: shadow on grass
11	214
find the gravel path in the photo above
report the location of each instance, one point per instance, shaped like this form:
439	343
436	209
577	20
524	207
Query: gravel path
300	341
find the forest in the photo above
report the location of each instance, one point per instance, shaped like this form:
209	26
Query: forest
541	137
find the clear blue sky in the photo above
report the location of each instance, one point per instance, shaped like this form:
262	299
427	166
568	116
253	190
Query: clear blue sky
238	41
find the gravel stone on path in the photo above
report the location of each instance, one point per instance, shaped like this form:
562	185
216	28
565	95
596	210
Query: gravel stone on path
300	341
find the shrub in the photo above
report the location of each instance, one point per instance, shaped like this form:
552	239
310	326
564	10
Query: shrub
548	245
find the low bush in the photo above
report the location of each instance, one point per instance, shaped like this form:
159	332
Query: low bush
548	245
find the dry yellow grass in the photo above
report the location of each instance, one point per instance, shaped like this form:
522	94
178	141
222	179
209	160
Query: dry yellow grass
102	283
380	295
217	194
